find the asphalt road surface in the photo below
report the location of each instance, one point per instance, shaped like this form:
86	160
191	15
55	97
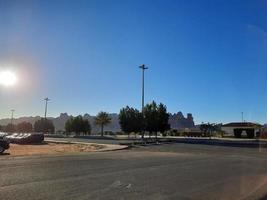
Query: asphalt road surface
170	171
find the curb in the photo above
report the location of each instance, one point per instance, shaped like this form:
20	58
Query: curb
107	147
204	141
220	142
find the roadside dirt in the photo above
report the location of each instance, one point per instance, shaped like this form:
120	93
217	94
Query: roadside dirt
51	148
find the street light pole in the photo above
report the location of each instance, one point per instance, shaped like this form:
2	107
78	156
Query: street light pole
12	115
143	67
242	116
46	100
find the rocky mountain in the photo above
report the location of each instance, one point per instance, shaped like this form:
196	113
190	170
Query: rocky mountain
176	120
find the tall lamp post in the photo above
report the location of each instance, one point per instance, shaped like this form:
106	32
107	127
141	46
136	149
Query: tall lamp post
143	67
46	100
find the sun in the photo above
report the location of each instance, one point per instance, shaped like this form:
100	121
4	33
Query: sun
7	78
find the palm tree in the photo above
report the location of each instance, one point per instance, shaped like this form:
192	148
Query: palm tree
102	119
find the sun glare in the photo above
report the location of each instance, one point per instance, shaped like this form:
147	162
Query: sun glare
7	78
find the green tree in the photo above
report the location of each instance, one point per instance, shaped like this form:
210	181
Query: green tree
24	127
151	117
10	128
44	125
156	118
68	125
78	125
102	119
207	129
163	117
86	127
130	120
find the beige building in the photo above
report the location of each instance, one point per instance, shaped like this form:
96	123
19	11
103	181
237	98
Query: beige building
238	129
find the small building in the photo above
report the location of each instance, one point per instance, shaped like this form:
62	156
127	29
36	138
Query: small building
238	128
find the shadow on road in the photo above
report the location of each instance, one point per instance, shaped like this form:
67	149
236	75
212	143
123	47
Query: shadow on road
4	154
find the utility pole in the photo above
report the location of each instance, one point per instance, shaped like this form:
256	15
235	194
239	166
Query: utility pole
143	67
46	100
12	115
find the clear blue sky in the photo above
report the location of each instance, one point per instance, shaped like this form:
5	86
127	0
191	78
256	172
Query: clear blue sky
204	57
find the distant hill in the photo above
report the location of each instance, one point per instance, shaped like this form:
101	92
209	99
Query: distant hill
176	120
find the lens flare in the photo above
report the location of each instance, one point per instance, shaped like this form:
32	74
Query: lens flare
7	78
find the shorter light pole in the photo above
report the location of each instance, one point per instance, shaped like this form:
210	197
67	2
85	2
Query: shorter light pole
46	100
12	115
242	113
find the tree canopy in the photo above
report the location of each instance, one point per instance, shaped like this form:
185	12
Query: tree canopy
131	120
207	128
153	119
102	119
10	128
78	125
156	118
163	121
44	125
24	127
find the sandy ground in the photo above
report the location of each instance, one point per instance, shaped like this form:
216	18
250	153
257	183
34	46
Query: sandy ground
50	148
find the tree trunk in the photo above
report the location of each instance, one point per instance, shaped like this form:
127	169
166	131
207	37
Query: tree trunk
102	130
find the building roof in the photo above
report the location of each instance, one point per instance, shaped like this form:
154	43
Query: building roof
242	124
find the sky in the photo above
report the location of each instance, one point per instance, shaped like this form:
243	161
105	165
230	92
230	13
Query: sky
208	58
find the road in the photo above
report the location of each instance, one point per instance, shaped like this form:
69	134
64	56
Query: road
170	171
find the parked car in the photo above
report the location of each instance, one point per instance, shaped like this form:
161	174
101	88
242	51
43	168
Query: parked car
4	144
26	138
2	134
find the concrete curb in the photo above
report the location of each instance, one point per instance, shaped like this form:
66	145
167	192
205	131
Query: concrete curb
107	147
222	142
205	141
255	143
